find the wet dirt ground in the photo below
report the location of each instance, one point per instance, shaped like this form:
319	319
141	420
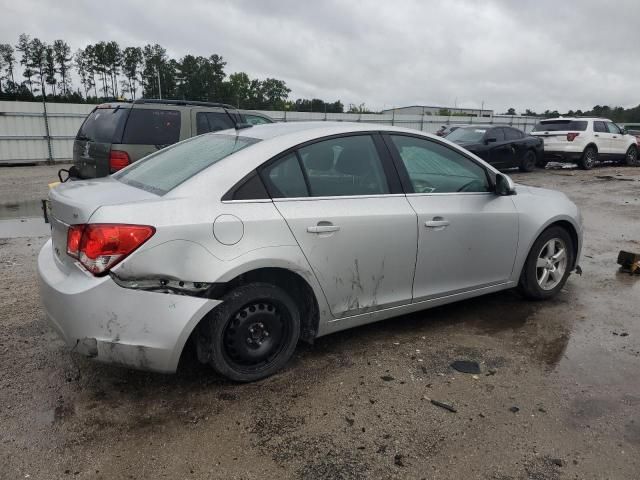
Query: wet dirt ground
558	396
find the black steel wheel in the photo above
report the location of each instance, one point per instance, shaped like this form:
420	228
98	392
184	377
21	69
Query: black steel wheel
252	333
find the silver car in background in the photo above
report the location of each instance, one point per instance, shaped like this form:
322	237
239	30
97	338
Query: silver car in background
246	241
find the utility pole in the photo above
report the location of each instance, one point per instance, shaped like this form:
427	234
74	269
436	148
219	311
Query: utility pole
159	87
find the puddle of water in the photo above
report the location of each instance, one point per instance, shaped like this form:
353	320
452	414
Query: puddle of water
22	219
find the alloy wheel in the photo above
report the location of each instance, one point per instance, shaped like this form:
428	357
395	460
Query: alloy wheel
551	264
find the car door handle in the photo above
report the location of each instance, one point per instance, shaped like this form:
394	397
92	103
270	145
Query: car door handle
323	229
596	135
436	223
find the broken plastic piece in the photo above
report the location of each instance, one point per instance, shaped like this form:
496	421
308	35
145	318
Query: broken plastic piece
466	366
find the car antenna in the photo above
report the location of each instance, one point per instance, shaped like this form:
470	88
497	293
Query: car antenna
236	124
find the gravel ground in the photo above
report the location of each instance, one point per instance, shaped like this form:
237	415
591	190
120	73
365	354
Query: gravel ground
558	396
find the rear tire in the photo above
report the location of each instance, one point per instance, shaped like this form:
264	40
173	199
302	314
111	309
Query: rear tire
589	158
631	157
252	334
528	163
548	264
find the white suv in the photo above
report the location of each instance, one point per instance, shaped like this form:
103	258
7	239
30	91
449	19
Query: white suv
585	140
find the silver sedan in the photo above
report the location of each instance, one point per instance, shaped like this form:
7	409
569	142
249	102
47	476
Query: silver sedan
244	242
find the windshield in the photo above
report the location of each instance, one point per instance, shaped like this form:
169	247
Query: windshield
467	135
165	170
561	126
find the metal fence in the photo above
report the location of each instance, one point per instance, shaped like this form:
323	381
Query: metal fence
28	135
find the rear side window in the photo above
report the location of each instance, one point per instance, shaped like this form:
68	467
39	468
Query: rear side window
104	125
284	178
561	126
344	166
163	171
152	127
212	122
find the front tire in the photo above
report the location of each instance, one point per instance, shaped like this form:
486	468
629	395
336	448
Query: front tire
252	334
631	157
548	264
589	158
528	162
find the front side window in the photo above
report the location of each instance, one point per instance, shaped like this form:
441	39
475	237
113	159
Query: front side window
152	127
166	169
613	128
212	122
497	133
512	134
344	166
435	168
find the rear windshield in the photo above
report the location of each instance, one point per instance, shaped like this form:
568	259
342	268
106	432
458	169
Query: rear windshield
103	125
168	168
466	134
561	126
152	127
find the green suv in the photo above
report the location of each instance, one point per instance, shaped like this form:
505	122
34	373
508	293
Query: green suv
116	134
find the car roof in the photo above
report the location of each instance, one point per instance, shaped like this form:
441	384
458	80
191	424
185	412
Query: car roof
312	129
574	118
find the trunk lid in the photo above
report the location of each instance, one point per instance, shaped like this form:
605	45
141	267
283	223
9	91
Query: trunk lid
75	202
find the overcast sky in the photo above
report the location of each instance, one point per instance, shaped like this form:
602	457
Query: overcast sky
542	54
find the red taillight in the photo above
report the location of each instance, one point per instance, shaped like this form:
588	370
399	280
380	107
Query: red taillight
100	246
73	240
571	136
118	160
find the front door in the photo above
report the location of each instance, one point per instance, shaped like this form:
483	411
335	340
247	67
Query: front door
500	151
467	235
618	142
357	232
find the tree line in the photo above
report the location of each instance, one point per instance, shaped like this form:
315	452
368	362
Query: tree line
106	71
617	114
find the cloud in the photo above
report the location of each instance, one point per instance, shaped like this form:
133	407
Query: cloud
539	55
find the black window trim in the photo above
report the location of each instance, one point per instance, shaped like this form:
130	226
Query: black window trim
404	174
388	165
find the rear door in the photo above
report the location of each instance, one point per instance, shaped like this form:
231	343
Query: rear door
102	127
602	136
467	235
342	200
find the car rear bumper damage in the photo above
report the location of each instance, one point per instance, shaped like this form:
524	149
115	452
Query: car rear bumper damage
97	318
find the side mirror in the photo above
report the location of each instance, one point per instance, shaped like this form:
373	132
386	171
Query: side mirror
504	185
72	174
487	141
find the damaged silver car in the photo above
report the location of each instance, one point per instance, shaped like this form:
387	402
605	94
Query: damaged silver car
246	241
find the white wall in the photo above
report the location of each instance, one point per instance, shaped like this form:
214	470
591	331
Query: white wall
23	136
